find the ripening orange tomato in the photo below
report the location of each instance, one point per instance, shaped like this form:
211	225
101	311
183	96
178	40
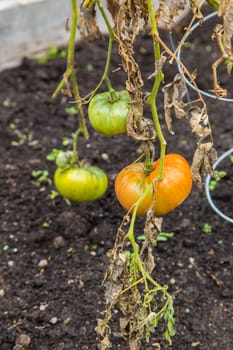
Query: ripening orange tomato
169	193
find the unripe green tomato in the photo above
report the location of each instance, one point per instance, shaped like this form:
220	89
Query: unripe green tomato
80	184
108	115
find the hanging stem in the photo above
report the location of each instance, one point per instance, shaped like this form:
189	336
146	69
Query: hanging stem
71	48
146	276
155	88
70	72
112	36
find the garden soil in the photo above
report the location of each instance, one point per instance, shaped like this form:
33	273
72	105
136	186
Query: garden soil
53	255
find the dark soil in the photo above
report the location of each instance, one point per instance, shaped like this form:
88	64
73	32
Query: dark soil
57	305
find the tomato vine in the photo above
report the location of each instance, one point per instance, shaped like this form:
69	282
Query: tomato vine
128	282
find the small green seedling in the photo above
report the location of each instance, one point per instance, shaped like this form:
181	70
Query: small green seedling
53	194
52	156
163	237
71	110
219	174
45	224
53	53
22	136
40	177
207	228
66	141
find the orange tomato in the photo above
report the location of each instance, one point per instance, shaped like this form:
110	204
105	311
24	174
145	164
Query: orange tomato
166	194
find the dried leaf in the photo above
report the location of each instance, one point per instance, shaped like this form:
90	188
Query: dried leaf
203	160
113	7
170	12
104	331
158	66
114	280
152	230
88	27
174	93
140	129
196	9
226	11
199	123
132	18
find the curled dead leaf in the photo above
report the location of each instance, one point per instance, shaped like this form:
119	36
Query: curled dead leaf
203	160
140	128
174	94
88	27
199	122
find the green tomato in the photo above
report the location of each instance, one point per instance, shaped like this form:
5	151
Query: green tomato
108	112
80	184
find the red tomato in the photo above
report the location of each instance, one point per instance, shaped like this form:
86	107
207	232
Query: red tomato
170	192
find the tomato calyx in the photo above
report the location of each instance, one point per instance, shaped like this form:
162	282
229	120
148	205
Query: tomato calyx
67	160
113	96
148	164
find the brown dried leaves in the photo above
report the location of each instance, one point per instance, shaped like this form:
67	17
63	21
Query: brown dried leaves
226	11
205	154
169	12
88	27
223	34
138	306
203	160
131	19
152	230
174	94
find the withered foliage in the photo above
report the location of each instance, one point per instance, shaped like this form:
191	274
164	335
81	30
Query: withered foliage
140	306
226	11
196	8
152	230
87	25
169	11
205	154
203	160
130	19
223	34
174	94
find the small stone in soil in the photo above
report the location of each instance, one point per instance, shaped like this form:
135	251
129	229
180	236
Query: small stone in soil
22	342
43	263
58	242
53	320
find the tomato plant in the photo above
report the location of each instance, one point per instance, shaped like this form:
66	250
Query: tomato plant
162	185
168	193
108	112
79	184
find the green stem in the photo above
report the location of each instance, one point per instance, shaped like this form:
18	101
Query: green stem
154	92
75	159
71	49
70	74
131	237
83	127
106	20
112	36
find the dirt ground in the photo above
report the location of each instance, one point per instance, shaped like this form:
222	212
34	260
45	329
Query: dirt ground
50	287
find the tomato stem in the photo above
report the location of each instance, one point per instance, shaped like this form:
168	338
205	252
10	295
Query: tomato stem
75	160
158	79
71	74
149	166
146	276
112	36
